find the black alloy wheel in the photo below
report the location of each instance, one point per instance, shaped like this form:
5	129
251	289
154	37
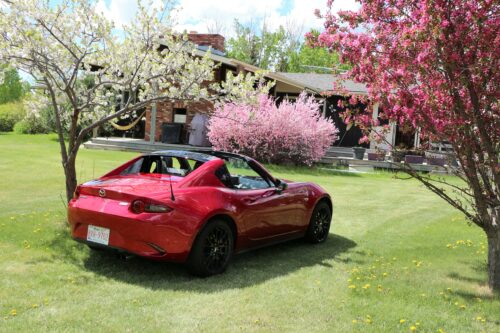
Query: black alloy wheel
319	226
212	249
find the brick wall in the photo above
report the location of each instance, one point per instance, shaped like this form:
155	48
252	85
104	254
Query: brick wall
165	114
214	40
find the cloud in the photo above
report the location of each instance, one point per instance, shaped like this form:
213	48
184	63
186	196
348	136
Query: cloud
119	11
219	15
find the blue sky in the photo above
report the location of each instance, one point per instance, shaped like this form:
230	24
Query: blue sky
219	15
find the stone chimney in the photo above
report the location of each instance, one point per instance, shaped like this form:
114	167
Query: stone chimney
215	41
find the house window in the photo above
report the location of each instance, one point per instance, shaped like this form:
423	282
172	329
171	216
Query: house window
180	116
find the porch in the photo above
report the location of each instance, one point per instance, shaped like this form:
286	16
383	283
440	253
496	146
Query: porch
335	156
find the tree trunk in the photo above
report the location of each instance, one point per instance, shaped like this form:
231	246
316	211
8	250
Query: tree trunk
70	173
494	260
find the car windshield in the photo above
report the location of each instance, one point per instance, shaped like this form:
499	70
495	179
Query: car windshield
160	164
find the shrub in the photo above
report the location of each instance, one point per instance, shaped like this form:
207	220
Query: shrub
10	114
30	125
38	118
288	133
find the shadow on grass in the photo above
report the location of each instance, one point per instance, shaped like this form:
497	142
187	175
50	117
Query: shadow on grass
456	276
245	270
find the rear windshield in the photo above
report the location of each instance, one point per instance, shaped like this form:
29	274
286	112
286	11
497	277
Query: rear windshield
158	164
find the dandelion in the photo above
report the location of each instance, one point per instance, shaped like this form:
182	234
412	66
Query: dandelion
440	330
366	286
463	307
34	306
352	286
13	312
449	246
402	321
413	328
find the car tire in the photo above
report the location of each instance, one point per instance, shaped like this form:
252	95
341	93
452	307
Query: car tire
319	225
212	249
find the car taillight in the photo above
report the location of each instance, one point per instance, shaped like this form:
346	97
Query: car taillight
153	208
139	206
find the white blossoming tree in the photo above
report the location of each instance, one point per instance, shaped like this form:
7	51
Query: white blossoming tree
87	67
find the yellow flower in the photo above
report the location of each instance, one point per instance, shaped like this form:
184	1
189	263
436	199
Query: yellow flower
413	328
354	321
34	306
352	286
462	306
366	286
440	330
384	274
13	312
402	321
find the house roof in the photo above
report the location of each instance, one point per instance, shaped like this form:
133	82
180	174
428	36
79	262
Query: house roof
323	82
312	82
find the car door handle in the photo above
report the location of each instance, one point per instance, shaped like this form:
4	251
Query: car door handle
249	200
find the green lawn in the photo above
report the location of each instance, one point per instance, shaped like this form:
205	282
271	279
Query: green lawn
397	257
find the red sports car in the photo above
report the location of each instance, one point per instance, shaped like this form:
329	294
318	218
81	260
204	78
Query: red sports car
196	207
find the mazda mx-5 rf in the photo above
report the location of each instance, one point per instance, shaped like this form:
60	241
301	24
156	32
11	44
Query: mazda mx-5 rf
196	207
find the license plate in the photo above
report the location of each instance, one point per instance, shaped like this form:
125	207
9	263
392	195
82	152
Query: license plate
98	234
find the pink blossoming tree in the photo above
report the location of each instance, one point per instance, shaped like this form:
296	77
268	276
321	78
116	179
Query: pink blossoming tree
293	132
434	64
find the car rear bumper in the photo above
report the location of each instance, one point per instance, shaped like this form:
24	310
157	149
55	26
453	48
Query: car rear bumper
146	235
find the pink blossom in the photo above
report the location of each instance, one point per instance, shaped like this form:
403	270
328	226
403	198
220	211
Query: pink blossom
291	132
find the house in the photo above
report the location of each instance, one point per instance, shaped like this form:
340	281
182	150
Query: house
169	122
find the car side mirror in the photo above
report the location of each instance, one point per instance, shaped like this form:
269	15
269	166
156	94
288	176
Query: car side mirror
281	186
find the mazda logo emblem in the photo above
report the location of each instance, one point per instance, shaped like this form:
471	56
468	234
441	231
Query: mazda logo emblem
102	193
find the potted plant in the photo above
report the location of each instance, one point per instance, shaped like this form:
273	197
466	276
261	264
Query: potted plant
414	157
398	154
359	152
378	155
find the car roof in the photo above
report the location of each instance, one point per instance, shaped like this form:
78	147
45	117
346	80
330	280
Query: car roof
193	155
201	155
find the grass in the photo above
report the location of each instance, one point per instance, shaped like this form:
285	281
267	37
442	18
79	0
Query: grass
398	257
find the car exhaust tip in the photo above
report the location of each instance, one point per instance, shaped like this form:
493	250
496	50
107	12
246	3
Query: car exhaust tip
125	256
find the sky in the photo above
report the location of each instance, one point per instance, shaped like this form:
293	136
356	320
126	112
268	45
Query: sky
218	15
